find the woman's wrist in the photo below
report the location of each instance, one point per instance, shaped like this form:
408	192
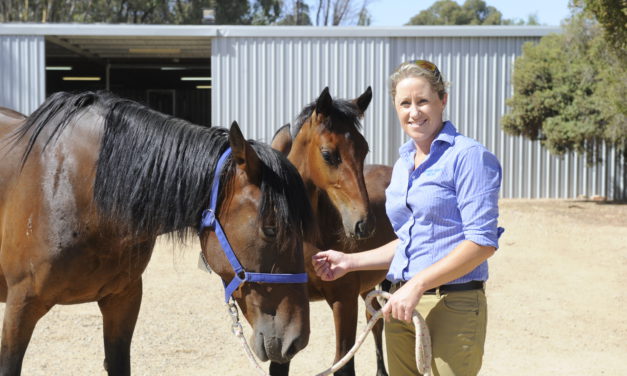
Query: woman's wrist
418	284
352	262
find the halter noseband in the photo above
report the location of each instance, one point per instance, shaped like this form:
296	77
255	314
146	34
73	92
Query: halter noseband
241	275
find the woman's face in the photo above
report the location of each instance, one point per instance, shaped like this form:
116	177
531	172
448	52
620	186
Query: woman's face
419	109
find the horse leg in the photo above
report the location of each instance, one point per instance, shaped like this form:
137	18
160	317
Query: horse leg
22	312
377	333
278	369
345	317
119	315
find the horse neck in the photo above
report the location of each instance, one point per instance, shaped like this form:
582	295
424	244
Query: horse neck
298	156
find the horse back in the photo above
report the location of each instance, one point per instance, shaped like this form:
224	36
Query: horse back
8	115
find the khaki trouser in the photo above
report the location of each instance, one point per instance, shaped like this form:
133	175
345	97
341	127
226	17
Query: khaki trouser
457	325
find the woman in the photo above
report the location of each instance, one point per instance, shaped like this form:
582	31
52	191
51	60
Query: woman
443	204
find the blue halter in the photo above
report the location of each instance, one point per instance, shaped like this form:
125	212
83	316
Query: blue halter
241	275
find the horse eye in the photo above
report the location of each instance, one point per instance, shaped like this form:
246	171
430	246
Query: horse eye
330	158
269	231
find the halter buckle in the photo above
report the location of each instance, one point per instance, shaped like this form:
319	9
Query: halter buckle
208	219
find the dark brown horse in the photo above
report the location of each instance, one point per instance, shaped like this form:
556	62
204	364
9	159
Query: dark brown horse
89	181
328	149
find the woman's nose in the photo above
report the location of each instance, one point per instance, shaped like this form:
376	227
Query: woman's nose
413	112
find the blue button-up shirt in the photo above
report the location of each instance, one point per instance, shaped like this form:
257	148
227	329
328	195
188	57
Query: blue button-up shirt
452	196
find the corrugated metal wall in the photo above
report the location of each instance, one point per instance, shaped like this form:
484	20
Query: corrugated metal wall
264	82
264	79
22	72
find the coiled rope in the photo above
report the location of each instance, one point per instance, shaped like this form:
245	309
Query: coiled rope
423	340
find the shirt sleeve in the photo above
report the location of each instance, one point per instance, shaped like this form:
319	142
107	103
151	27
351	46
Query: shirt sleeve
477	182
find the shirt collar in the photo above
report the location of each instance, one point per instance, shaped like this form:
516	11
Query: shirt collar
447	134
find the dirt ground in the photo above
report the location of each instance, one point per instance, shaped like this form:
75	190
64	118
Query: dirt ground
557	295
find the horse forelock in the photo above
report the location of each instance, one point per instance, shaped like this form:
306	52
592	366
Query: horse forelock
344	115
284	199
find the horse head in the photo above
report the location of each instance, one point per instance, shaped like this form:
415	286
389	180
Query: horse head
328	149
263	212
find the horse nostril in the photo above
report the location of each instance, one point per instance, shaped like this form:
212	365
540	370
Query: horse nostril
360	229
290	348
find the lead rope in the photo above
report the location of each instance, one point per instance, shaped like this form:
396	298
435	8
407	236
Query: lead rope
238	331
423	340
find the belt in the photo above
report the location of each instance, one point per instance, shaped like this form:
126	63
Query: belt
472	285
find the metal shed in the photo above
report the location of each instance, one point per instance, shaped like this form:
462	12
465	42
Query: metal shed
263	76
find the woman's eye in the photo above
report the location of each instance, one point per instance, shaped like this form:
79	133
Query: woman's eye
269	231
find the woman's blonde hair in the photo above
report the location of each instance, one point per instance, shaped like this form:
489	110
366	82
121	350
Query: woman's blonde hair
419	68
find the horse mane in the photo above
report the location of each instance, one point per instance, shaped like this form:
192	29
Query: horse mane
343	112
154	172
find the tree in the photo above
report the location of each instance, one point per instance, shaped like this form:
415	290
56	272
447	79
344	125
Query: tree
113	11
570	90
229	12
340	12
296	13
473	12
363	18
266	12
232	12
612	15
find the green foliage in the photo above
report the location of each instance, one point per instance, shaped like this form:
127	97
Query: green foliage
569	90
266	12
110	11
298	14
448	12
228	12
232	12
612	15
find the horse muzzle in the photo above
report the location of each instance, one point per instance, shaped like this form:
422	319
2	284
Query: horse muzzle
280	349
363	228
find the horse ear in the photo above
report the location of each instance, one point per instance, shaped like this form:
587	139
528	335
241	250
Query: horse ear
282	140
324	103
363	100
244	155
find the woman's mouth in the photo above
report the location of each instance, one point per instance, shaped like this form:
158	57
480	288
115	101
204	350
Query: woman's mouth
416	124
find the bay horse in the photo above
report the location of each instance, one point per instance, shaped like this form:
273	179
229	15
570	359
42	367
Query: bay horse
90	180
326	146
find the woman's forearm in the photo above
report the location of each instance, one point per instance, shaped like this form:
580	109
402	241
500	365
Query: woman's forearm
461	261
374	259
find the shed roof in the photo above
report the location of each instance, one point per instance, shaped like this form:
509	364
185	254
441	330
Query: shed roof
271	31
113	41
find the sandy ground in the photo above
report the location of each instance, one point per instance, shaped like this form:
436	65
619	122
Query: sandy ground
557	295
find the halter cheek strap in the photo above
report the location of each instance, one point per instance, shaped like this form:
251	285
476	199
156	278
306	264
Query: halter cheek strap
209	220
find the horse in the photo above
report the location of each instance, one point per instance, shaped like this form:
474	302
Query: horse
328	149
7	114
89	181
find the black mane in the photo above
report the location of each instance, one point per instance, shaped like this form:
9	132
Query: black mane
343	112
154	171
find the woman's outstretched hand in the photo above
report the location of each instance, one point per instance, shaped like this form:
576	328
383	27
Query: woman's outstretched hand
330	265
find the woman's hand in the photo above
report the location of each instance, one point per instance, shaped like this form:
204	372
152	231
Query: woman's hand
403	302
331	265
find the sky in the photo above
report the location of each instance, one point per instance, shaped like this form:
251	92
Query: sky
398	12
